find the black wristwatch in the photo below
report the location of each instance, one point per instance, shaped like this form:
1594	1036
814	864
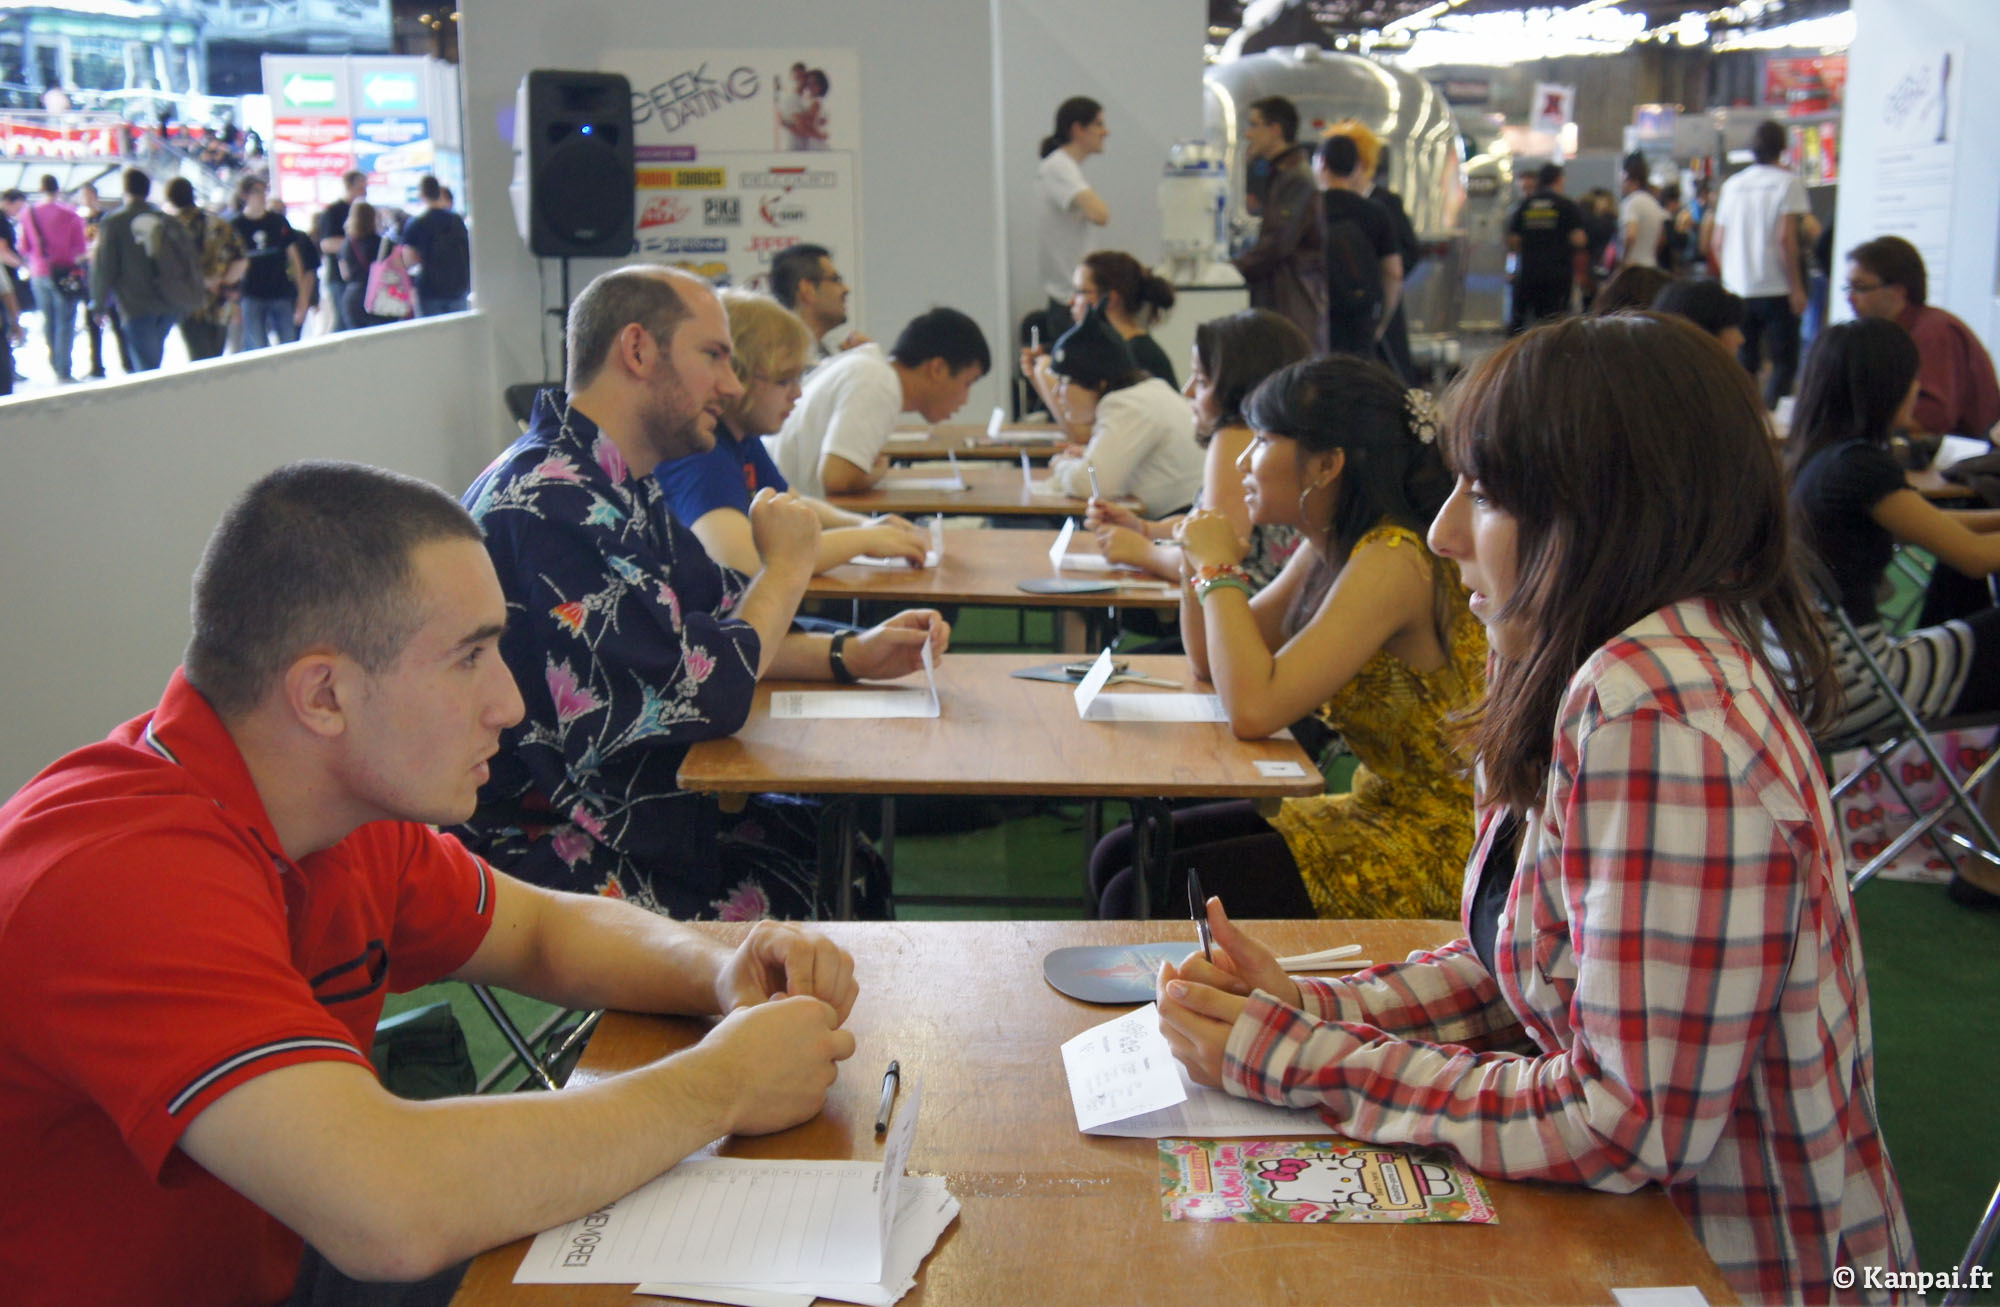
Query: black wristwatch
838	660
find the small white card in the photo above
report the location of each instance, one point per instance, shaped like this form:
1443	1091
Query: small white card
1093	706
889	701
1676	1295
994	423
1121	1068
1027	471
1212	1114
1277	769
950	484
1061	546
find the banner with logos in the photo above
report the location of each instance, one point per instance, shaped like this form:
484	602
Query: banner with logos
744	153
334	113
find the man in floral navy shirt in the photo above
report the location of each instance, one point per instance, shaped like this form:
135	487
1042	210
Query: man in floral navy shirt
629	643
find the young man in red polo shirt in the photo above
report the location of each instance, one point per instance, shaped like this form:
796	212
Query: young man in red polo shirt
200	916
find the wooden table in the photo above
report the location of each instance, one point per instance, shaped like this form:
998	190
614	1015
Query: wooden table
984	567
1052	1216
909	445
992	489
997	735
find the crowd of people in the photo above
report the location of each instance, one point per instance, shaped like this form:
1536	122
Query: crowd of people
455	725
228	278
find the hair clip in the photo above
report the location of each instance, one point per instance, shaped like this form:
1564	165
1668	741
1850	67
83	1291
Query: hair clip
1422	411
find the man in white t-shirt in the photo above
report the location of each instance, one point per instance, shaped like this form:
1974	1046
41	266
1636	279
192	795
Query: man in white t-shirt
832	442
1756	244
1640	217
1066	206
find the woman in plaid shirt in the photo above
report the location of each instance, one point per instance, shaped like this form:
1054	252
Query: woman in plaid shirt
1660	980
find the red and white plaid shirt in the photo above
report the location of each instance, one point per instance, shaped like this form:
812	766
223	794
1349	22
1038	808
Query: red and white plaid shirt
1679	997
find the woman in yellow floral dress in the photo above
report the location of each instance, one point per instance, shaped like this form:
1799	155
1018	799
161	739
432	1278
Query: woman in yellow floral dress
1364	629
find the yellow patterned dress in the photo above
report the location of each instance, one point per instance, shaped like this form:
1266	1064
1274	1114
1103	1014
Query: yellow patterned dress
1395	846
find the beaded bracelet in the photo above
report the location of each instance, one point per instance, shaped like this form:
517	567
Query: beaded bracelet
1220	576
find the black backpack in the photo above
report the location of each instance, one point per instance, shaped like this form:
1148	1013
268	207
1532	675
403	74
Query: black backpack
1353	273
447	266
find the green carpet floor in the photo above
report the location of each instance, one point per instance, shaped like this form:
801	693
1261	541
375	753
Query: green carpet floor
1933	970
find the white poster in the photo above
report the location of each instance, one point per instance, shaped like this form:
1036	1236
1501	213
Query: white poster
743	153
1554	106
1918	122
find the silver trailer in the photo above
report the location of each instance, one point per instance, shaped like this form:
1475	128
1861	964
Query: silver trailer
1425	161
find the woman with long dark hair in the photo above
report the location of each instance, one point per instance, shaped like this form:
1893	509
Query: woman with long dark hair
1363	629
1853	506
1661	980
1231	356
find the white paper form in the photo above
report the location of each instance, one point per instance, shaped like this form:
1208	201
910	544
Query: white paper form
1211	1114
1122	1068
1093	706
954	482
733	1220
887	701
1061	559
924	1211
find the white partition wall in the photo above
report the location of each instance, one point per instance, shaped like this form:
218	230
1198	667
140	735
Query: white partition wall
1889	35
113	489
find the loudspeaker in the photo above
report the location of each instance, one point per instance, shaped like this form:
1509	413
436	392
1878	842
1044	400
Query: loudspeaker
573	185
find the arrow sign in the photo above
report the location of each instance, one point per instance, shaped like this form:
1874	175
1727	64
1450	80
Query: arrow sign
309	88
382	90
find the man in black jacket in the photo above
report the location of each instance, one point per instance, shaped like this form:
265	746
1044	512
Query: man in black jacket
1283	269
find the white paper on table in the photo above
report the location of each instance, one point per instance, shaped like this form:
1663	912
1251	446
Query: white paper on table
733	1220
1093	706
890	701
1956	449
1121	1068
1027	473
994	423
1676	1295
952	484
1061	546
908	437
925	1210
1211	1114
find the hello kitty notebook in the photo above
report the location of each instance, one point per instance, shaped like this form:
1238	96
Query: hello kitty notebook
1306	1181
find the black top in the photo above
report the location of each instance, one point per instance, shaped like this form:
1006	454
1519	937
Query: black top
266	240
1146	352
357	254
332	225
1544	222
1345	206
1834	495
1496	879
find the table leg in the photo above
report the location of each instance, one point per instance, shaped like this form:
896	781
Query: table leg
1093	834
836	850
889	853
1152	849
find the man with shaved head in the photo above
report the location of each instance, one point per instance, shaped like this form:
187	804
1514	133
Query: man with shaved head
629	642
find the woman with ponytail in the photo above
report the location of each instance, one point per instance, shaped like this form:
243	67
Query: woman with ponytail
1066	206
1364	629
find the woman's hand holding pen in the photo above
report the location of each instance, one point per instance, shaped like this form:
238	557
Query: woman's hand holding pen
1200	1001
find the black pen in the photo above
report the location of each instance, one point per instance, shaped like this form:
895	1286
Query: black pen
890	1079
1198	909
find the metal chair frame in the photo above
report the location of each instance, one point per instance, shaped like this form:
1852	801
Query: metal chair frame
1881	742
540	1065
1976	1253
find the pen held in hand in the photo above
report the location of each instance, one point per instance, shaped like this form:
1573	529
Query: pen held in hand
890	1080
1198	909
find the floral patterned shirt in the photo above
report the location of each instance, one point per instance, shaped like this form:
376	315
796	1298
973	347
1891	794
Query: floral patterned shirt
621	637
220	246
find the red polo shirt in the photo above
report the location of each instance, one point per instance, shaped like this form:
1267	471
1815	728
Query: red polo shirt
1956	390
157	949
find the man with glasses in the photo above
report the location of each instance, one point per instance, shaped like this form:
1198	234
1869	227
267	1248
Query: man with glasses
804	280
1956	391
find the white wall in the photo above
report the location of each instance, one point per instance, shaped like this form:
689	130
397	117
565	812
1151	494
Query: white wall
1885	31
114	487
1140	59
929	218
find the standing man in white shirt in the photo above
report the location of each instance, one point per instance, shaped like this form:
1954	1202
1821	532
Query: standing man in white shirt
832	442
1756	244
1640	217
1068	207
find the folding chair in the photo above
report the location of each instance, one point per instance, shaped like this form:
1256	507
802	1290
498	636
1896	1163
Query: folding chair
1976	1252
1904	727
541	1052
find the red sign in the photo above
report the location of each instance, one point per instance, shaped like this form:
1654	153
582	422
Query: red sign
664	212
312	146
25	140
1806	85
